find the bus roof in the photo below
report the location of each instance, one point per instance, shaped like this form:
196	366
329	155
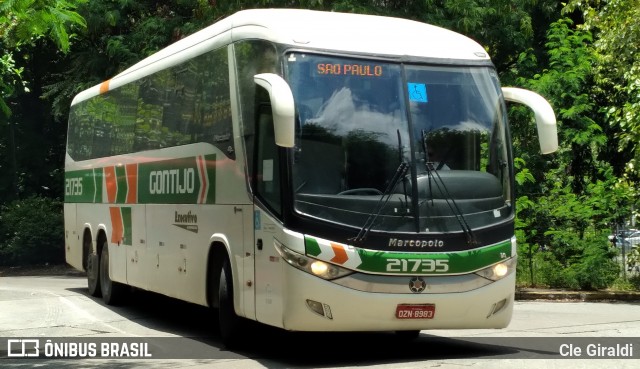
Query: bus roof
341	32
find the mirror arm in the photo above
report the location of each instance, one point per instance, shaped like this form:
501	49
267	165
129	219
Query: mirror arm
544	115
282	105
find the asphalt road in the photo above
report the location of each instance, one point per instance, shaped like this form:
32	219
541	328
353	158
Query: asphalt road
58	308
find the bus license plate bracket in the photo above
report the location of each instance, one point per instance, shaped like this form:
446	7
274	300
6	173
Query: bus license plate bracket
415	311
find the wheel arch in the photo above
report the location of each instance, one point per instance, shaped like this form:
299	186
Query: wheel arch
88	233
218	252
101	237
87	244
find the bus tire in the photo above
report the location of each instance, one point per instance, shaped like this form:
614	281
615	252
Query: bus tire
112	292
93	273
228	321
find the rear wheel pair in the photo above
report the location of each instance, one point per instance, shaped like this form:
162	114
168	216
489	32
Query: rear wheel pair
98	279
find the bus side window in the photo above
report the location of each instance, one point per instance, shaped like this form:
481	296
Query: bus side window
267	171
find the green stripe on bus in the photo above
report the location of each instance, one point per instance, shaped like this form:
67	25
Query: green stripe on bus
127	237
121	178
210	165
412	263
174	181
97	185
80	186
311	246
458	262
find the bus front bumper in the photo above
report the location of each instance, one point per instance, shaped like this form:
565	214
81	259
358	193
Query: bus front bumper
314	304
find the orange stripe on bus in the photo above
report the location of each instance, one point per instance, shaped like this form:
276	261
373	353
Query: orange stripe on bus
104	86
112	184
117	228
341	254
203	175
132	183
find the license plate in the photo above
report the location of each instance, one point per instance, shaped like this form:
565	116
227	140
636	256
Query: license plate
415	311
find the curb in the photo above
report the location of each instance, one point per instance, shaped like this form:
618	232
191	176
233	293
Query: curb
584	296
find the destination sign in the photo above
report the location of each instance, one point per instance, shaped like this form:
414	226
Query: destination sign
340	69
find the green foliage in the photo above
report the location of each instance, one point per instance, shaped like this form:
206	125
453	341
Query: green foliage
9	77
590	267
631	283
27	20
617	68
562	238
567	204
23	23
31	232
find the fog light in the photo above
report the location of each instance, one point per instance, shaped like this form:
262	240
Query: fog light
497	307
316	307
320	308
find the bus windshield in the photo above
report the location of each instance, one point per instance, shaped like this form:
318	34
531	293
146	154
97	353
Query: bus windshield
406	147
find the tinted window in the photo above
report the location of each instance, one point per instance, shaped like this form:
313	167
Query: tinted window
185	104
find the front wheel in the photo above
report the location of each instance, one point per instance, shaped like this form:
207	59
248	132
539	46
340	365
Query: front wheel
112	292
230	324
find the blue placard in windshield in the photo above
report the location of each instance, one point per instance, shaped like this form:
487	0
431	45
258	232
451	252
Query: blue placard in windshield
417	92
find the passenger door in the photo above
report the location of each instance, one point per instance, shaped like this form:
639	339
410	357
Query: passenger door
267	215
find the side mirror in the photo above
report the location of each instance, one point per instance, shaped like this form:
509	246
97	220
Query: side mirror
282	106
545	118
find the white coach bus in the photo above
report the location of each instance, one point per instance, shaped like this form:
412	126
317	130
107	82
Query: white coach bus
308	170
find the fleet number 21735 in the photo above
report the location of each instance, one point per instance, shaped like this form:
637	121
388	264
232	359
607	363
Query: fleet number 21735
418	265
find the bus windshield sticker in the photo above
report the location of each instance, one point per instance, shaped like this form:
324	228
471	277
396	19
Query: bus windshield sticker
417	92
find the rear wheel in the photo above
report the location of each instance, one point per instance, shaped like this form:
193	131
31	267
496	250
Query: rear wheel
92	266
230	324
93	274
112	292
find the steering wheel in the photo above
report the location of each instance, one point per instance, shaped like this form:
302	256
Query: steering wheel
361	191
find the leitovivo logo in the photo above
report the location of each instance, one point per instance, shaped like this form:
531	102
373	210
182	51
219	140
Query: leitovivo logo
186	221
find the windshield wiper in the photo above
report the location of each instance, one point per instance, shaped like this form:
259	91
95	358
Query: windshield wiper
442	188
404	178
399	174
384	199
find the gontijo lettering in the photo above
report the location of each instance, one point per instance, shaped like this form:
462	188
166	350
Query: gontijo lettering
172	181
364	70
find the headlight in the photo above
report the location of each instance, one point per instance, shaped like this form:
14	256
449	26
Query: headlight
313	266
500	270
